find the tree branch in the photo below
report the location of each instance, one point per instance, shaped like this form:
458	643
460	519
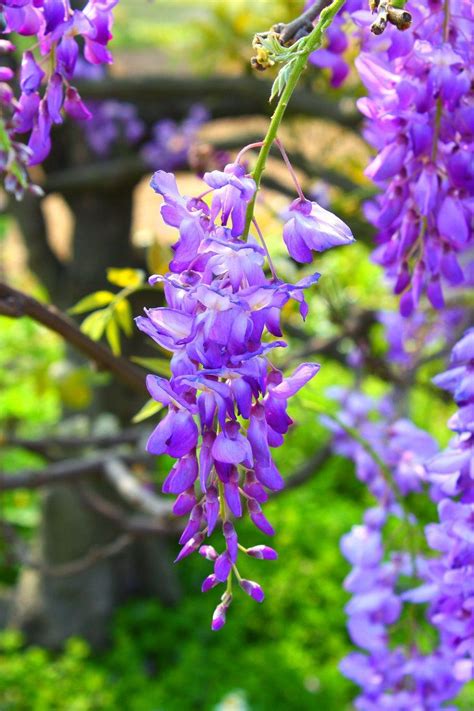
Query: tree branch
41	258
133	492
17	304
301	25
55	445
94	554
224	97
307	470
137	525
65	471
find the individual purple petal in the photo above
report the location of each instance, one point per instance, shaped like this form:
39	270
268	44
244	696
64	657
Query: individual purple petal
388	162
31	74
75	107
270	477
451	220
232	498
259	519
54	97
182	476
292	384
212	509
184	503
190	547
209	583
218	618
193	525
231	540
222	567
67	53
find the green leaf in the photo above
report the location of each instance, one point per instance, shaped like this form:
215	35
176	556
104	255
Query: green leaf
149	408
4	138
156	365
94	325
123	315
125	277
92	301
112	334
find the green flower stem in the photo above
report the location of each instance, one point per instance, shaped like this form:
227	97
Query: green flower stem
312	42
386	475
222	508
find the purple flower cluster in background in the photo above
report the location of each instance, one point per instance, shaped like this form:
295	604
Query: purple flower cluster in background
62	36
171	141
420	119
390	676
227	404
449	578
399	444
112	123
395	459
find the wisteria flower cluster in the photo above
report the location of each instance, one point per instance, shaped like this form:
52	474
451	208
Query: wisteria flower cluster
419	118
227	404
172	141
112	123
449	578
394	459
62	35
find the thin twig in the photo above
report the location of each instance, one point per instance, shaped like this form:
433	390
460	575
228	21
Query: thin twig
133	492
94	555
53	444
17	304
307	470
301	25
65	471
136	525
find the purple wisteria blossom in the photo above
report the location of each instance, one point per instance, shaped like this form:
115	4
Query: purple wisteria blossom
419	118
394	459
390	676
171	142
309	227
226	403
63	36
451	472
112	124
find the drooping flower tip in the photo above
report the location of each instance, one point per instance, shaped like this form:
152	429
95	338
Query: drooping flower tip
253	589
262	552
309	227
189	547
209	583
218	618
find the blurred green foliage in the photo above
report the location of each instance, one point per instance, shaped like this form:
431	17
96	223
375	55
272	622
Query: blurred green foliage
282	654
278	656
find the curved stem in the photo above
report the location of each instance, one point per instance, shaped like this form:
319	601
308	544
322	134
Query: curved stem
312	42
264	244
290	168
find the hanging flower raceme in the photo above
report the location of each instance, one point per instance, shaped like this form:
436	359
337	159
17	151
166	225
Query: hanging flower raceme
419	117
449	577
62	36
227	404
395	460
391	676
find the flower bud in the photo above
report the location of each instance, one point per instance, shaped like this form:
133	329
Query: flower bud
262	553
253	589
